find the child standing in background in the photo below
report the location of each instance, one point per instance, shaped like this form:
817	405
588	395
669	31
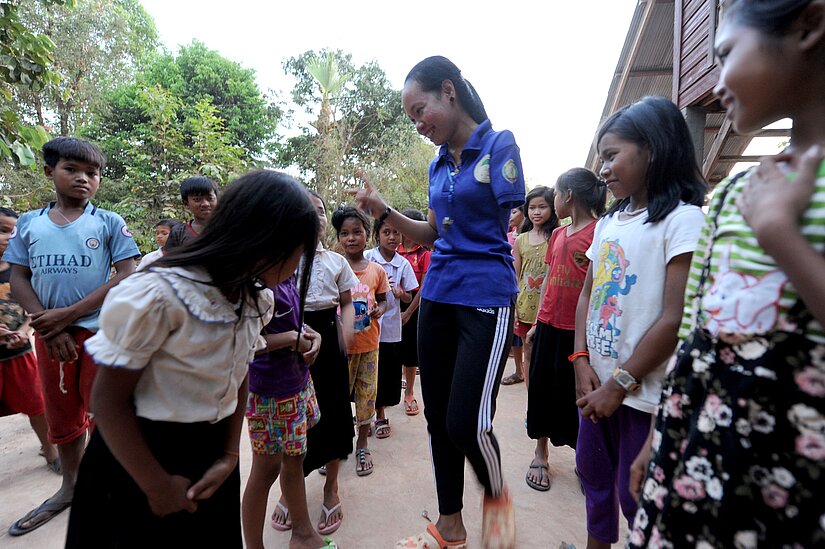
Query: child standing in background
419	258
516	349
162	230
200	196
62	257
402	281
630	307
552	414
529	252
20	389
281	408
369	298
174	349
330	441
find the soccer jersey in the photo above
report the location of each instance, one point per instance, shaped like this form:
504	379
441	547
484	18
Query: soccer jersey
69	262
472	264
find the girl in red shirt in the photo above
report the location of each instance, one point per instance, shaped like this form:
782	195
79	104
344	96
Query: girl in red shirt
552	414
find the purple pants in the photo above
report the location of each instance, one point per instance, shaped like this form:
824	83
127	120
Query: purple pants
604	453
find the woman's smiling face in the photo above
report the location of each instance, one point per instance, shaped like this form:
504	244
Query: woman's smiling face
432	113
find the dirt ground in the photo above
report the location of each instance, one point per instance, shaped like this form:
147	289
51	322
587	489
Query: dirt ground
378	509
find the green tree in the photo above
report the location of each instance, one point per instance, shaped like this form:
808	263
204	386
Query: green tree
358	122
25	63
99	45
198	73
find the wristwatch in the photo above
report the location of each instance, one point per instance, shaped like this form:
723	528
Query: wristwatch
626	380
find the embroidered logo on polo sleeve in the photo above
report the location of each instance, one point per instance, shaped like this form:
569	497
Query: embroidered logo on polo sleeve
13	232
482	169
510	171
124	230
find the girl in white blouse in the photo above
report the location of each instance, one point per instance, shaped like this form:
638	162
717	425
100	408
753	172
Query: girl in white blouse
174	343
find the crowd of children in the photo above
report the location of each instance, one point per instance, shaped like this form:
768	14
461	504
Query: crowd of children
242	315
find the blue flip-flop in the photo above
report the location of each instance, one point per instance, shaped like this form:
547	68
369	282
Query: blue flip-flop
55	508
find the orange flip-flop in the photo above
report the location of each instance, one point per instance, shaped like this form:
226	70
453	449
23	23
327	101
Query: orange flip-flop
431	539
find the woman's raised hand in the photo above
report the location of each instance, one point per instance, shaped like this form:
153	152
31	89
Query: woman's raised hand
367	199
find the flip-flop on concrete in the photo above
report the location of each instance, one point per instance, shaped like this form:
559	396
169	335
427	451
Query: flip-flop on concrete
537	485
287	524
361	468
325	528
55	508
431	539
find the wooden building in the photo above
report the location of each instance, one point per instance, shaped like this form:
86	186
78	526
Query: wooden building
669	52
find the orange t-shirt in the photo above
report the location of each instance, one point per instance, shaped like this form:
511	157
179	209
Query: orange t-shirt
371	281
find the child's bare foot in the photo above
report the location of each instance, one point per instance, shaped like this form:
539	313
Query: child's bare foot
280	518
309	540
49	453
331	514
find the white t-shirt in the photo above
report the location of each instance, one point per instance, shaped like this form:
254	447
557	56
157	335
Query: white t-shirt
149	258
629	266
331	275
400	273
185	337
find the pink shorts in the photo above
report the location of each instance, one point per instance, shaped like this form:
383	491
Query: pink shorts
521	328
20	390
67	389
280	425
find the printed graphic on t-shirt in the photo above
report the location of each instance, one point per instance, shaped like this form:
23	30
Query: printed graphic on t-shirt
361	304
610	279
739	303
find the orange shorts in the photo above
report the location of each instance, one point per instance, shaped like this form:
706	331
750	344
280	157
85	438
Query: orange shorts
20	391
67	389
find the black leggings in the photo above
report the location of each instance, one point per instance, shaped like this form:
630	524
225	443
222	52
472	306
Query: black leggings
462	353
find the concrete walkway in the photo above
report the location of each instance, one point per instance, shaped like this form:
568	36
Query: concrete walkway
378	509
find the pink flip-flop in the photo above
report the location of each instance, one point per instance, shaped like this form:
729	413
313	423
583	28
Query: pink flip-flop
287	524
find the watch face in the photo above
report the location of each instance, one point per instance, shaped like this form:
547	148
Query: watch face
626	380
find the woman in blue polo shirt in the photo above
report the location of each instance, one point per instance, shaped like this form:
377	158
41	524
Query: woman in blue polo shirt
466	314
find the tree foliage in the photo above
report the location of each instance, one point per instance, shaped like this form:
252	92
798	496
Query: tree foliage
25	62
198	73
357	122
100	44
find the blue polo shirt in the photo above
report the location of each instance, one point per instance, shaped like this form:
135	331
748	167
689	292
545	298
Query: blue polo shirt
69	262
472	264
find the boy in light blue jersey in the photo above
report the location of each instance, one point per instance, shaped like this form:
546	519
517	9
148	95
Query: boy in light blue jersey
61	258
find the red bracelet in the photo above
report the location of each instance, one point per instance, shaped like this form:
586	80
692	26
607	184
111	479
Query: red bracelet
579	354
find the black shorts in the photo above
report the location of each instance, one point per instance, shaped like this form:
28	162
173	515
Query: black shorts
409	340
389	375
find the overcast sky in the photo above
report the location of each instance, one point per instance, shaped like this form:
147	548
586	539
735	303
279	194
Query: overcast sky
542	68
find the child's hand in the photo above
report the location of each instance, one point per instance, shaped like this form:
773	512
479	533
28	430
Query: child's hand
586	379
53	321
531	333
314	339
61	347
375	311
638	469
405	317
397	292
771	201
602	402
367	199
303	345
212	478
17	340
171	497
